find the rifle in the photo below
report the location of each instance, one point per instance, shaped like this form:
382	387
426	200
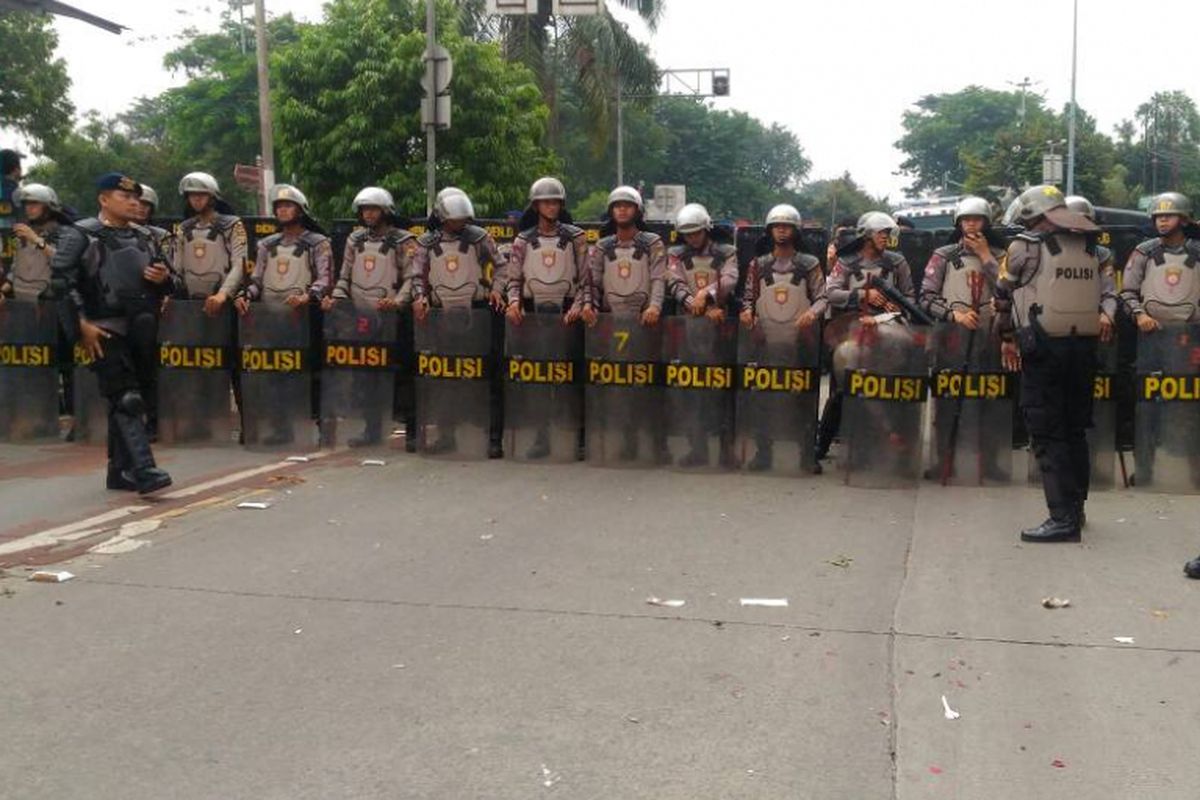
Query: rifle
976	280
911	310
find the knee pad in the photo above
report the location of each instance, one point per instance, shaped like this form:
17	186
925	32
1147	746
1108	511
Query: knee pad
131	402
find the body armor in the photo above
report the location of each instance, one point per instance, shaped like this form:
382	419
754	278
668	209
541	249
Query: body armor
1171	288
964	272
627	272
1064	295
783	296
30	275
123	260
290	268
456	276
375	271
859	273
549	267
204	259
702	271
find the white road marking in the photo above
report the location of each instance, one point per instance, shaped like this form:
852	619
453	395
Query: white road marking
63	533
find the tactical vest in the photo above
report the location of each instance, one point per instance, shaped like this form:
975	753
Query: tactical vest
1064	294
549	266
456	277
965	284
123	262
783	296
626	280
1170	287
860	274
204	259
30	276
375	270
291	268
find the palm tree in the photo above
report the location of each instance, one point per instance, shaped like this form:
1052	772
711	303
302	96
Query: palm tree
596	54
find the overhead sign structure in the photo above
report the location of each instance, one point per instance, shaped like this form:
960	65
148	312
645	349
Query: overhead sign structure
559	8
439	70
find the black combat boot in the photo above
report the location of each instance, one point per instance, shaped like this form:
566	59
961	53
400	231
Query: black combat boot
119	480
1064	528
1192	568
147	477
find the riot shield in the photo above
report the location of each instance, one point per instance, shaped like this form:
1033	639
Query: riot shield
1167	448
1102	436
28	371
90	422
358	379
972	398
885	378
543	391
275	372
778	387
195	367
698	363
623	394
453	368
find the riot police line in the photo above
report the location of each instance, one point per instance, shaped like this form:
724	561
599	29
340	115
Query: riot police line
686	390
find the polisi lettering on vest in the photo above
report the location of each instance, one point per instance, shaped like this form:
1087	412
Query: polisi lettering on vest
465	368
357	355
1170	388
972	385
893	388
777	379
272	359
623	373
26	355
178	356
555	373
698	376
1075	273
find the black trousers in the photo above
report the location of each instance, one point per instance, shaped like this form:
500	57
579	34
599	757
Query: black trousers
120	378
1057	389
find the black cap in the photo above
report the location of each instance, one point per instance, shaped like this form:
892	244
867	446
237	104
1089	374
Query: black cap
116	180
10	160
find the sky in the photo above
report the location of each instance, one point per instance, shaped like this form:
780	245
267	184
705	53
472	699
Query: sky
839	75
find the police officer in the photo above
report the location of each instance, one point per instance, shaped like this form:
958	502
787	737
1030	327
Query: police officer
292	268
1054	293
862	264
110	271
456	265
28	276
627	267
147	209
1161	287
10	179
546	270
209	245
375	273
785	286
957	288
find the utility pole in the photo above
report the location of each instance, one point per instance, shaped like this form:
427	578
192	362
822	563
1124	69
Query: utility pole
620	136
1024	86
266	133
1071	115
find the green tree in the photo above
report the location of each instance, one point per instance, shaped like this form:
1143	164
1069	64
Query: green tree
1160	146
348	98
33	83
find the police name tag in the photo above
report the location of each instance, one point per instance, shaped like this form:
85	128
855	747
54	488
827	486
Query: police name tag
889	388
178	356
272	359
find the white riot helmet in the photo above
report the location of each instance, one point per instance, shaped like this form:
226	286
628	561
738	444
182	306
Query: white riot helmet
873	222
547	188
1081	204
199	183
285	192
149	196
37	193
693	218
374	196
626	194
783	214
972	206
454	206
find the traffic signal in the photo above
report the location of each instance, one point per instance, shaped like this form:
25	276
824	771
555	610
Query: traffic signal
720	85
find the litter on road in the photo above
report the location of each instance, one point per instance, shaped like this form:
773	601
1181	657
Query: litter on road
658	601
949	712
1055	602
1123	639
765	602
254	505
51	576
374	462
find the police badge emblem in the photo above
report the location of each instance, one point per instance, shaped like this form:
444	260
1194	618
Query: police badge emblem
548	260
198	249
1174	276
781	295
701	280
624	269
369	263
452	263
281	266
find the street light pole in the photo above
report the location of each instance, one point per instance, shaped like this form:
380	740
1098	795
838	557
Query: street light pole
1071	115
266	133
431	128
620	137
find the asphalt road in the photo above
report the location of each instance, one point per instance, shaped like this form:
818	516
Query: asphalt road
437	630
